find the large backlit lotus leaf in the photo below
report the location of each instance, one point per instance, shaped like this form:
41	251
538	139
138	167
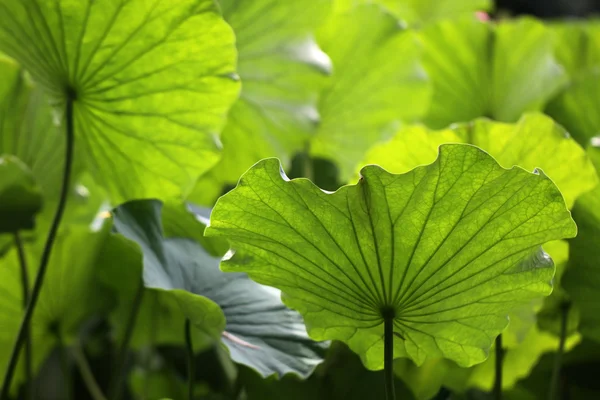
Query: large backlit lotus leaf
448	249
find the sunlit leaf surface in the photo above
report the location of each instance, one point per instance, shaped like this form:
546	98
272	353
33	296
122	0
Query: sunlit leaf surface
450	247
151	83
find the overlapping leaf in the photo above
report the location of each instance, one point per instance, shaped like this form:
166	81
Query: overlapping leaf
377	82
151	83
477	69
260	331
281	68
450	247
526	143
166	268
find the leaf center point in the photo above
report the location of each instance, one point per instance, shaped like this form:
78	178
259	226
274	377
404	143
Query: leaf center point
388	312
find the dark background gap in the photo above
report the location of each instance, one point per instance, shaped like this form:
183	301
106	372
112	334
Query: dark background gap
550	8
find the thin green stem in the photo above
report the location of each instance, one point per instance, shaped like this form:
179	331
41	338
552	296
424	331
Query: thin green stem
190	358
116	381
65	365
86	374
25	287
498	368
556	371
388	356
39	279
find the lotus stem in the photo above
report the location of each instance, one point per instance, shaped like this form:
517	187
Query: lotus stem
499	362
388	355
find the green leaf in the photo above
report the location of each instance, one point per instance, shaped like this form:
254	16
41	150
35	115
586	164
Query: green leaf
451	247
168	267
260	331
477	69
151	83
361	104
282	69
526	143
161	314
20	198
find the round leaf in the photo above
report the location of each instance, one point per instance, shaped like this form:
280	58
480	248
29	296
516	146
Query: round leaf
151	83
451	247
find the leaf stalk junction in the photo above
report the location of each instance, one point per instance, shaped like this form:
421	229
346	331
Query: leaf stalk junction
388	313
